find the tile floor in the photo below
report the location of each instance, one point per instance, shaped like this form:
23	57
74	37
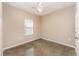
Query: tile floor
40	48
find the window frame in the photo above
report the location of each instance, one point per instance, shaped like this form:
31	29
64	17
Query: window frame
26	27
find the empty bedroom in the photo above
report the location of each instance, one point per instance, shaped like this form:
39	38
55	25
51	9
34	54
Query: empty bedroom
39	29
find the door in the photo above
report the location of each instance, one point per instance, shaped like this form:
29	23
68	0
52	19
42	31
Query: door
77	28
0	28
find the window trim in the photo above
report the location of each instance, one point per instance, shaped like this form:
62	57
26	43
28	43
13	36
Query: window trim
25	28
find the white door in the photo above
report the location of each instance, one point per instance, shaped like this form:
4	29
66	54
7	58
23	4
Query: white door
77	28
0	28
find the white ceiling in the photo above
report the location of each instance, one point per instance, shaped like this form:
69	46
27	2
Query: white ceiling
48	6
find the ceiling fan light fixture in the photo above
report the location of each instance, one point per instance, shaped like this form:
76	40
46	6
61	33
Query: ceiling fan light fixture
39	10
40	7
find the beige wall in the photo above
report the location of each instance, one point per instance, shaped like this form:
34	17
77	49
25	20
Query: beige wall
13	19
59	26
0	28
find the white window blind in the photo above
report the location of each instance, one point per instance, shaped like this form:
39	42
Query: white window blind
28	26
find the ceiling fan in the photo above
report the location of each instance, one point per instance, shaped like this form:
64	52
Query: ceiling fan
39	8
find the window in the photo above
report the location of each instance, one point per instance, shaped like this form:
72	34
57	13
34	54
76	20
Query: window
28	27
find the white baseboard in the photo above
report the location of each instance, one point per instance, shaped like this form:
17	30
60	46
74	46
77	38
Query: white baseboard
72	46
39	38
18	44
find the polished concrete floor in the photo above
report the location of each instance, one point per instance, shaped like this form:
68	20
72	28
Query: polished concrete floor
40	48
